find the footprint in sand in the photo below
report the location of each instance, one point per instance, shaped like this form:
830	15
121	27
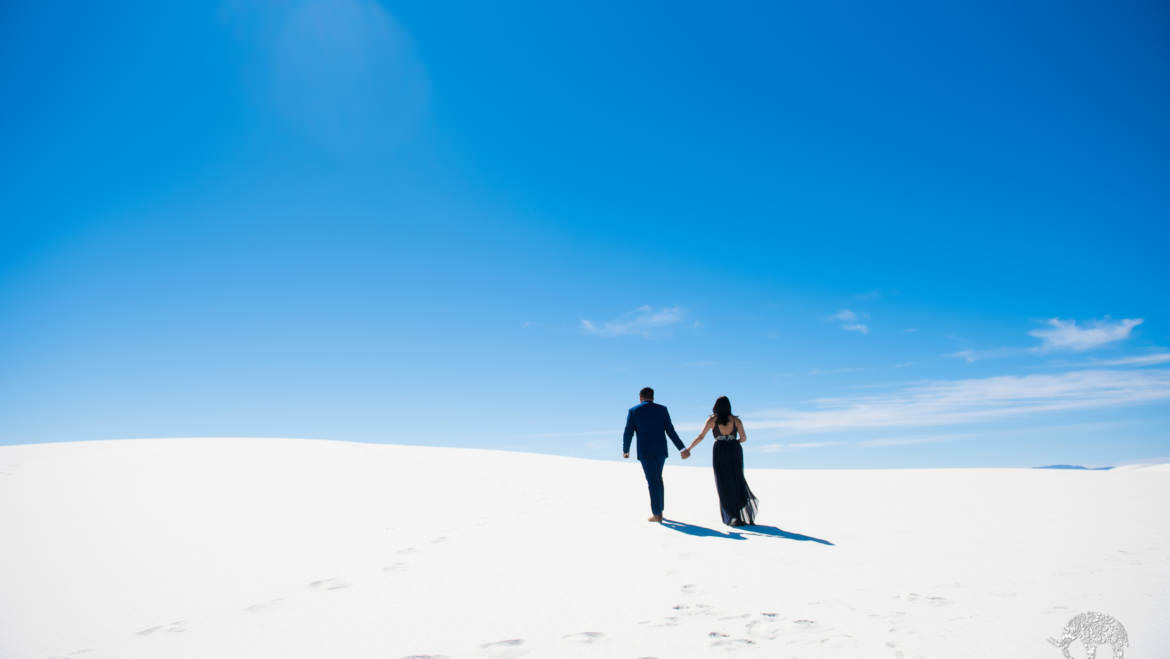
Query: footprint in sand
733	643
721	640
693	609
260	606
505	649
930	599
395	567
176	626
585	637
837	642
688	588
764	629
328	584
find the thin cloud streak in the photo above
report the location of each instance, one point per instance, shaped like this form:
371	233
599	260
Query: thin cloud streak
645	321
1067	335
971	356
911	441
955	402
583	433
1064	335
851	321
1137	360
832	371
776	448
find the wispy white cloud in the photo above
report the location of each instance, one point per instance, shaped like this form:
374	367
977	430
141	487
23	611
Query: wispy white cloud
869	443
971	356
911	441
956	402
851	321
645	321
1067	335
833	371
583	433
968	355
1137	360
1062	335
775	448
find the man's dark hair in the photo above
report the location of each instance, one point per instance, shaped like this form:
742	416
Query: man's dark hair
646	393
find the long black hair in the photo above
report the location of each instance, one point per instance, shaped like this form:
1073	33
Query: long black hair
722	410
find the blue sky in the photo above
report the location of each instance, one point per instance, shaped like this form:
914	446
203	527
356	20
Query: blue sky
934	236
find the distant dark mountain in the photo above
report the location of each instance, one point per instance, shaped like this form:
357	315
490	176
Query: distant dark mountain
1074	467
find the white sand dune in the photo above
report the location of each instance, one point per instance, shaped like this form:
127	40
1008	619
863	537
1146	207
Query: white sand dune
220	548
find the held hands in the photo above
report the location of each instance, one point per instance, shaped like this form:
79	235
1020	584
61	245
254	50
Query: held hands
625	455
685	453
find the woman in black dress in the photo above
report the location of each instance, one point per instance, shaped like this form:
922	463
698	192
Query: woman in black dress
736	501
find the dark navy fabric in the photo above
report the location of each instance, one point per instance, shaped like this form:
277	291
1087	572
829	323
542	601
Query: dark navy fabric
652	467
651	423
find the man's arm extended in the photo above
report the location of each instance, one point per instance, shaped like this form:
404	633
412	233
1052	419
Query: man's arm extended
678	443
628	435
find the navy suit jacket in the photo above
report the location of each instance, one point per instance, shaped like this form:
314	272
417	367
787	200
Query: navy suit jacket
651	422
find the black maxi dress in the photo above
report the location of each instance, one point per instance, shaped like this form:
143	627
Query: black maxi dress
736	501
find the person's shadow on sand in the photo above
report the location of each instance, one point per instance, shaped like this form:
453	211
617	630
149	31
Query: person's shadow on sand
739	533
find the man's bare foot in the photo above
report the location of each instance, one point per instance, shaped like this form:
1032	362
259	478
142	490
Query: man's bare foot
654	518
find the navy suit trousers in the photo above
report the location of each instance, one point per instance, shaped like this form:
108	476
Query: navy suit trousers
652	467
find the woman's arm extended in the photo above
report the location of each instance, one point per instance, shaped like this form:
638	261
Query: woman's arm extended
702	433
742	432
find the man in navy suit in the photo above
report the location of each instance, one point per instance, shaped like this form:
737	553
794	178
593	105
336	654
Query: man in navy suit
651	422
